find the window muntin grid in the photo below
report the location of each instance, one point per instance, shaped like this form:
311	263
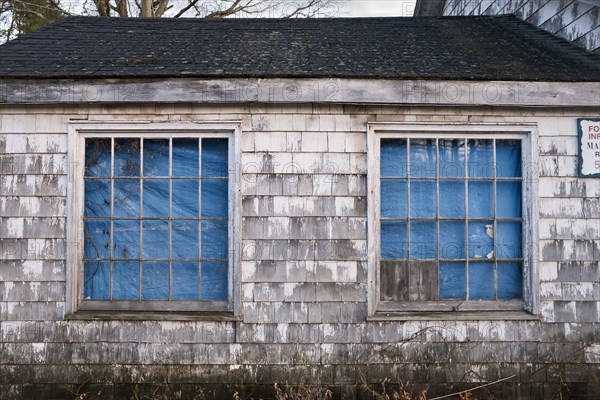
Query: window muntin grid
141	192
467	242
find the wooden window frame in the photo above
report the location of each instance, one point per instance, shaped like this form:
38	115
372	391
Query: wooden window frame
450	309
77	133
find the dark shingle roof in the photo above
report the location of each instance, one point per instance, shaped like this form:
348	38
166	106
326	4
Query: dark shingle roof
472	48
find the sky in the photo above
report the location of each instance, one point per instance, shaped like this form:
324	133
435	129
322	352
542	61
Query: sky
337	8
377	8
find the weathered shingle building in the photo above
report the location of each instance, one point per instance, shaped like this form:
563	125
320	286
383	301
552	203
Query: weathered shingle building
577	21
218	205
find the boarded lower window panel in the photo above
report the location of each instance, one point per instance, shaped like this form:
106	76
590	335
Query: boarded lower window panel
156	219
451	220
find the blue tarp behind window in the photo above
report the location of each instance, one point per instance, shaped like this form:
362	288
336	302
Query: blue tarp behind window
460	206
156	219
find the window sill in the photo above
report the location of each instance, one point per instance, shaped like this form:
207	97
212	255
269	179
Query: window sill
151	316
454	316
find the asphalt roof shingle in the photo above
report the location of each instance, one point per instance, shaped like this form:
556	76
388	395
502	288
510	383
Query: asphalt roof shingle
445	48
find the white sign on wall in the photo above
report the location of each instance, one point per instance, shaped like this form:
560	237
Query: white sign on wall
589	147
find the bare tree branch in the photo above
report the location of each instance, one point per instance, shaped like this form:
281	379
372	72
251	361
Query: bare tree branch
229	11
32	12
191	4
162	7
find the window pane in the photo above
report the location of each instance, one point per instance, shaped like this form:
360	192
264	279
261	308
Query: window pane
394	240
423	239
481	239
214	157
481	281
127	198
452	240
97	157
214	198
97	198
155	280
509	243
510	281
214	239
508	199
156	157
96	280
481	199
423	199
127	157
96	242
508	158
394	199
185	281
422	158
452	199
213	281
453	283
126	239
185	239
155	237
185	198
126	280
480	158
452	158
185	157
393	157
156	198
